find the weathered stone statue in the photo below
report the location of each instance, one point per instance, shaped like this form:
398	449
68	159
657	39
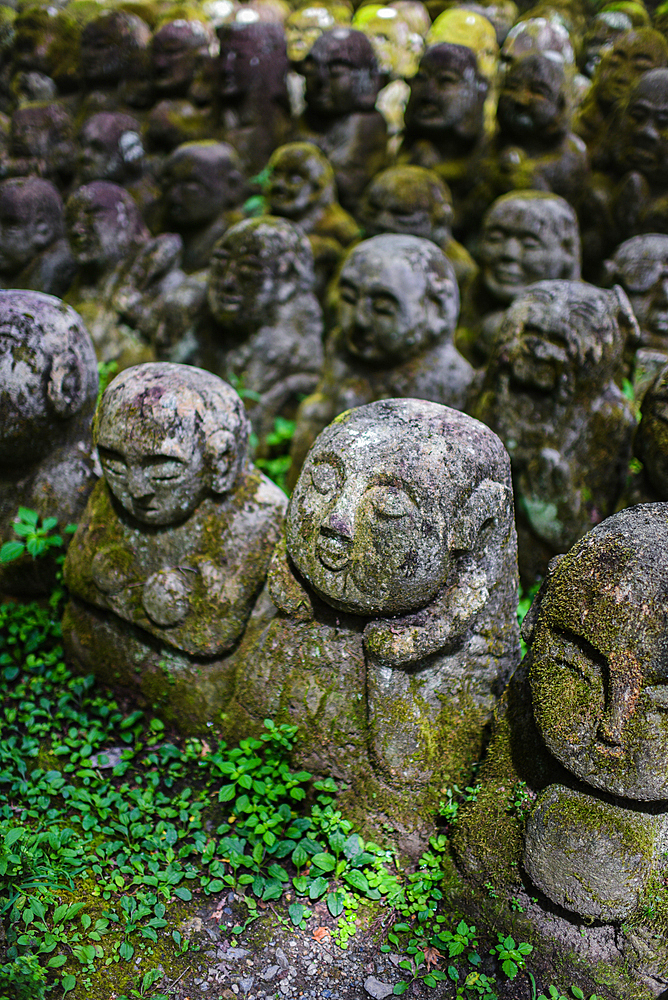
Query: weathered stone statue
416	202
301	188
307	23
252	96
527	236
464	27
534	147
266	334
398	50
396	310
115	62
391	626
33	250
342	84
174	545
550	395
177	49
445	128
123	274
41	142
603	31
48	387
202	188
651	445
44	52
587	709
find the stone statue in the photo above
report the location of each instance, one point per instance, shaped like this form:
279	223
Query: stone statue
177	49
301	188
342	84
202	187
124	275
48	388
266	334
115	62
445	128
44	53
398	50
174	545
415	201
534	147
527	236
252	97
391	626
587	709
41	142
603	31
33	250
464	27
307	23
651	445
396	310
550	395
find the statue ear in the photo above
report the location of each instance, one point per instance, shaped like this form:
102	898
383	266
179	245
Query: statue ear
221	450
628	323
489	507
531	617
67	385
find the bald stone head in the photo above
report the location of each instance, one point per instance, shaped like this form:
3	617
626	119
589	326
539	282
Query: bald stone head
341	73
31	219
199	180
109	43
176	50
104	224
300	178
110	148
169	436
447	94
410	200
640	141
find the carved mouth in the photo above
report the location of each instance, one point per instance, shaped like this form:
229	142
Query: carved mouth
333	551
508	275
659	320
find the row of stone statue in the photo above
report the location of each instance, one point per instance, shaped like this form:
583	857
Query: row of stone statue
378	612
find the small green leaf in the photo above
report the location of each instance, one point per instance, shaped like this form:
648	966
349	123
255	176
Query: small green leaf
400	988
68	983
577	993
335	903
11	551
317	888
183	893
56	961
28	516
296	911
325	862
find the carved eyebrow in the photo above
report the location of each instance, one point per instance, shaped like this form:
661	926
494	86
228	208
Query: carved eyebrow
582	644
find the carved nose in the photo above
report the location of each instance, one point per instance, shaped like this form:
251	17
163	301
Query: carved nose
511	250
340	523
139	484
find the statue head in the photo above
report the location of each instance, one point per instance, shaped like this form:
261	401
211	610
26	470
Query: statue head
46	40
597	633
651	440
301	177
169	436
41	129
632	54
564	339
464	27
103	224
640	266
447	94
48	375
533	101
258	266
341	73
307	23
177	48
397	48
31	219
110	148
602	33
391	495
640	140
109	44
396	296
252	60
410	200
536	35
199	180
528	236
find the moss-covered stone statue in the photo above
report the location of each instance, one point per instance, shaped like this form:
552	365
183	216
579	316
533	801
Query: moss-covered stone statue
416	202
388	623
264	331
341	86
174	545
649	483
527	236
583	725
33	250
550	395
48	387
397	304
302	188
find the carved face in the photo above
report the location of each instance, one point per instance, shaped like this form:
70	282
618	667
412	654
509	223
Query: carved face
236	65
522	243
195	186
244	282
156	471
446	93
339	73
303	27
643	135
406	200
97	232
535	35
632	54
22	233
531	102
464	27
391	39
367	534
605	29
384	308
175	50
296	182
643	273
598	674
106	150
37	37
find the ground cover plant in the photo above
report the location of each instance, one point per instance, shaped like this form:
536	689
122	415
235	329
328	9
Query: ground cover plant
110	828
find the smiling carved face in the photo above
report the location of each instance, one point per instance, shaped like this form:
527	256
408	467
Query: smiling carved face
365	526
